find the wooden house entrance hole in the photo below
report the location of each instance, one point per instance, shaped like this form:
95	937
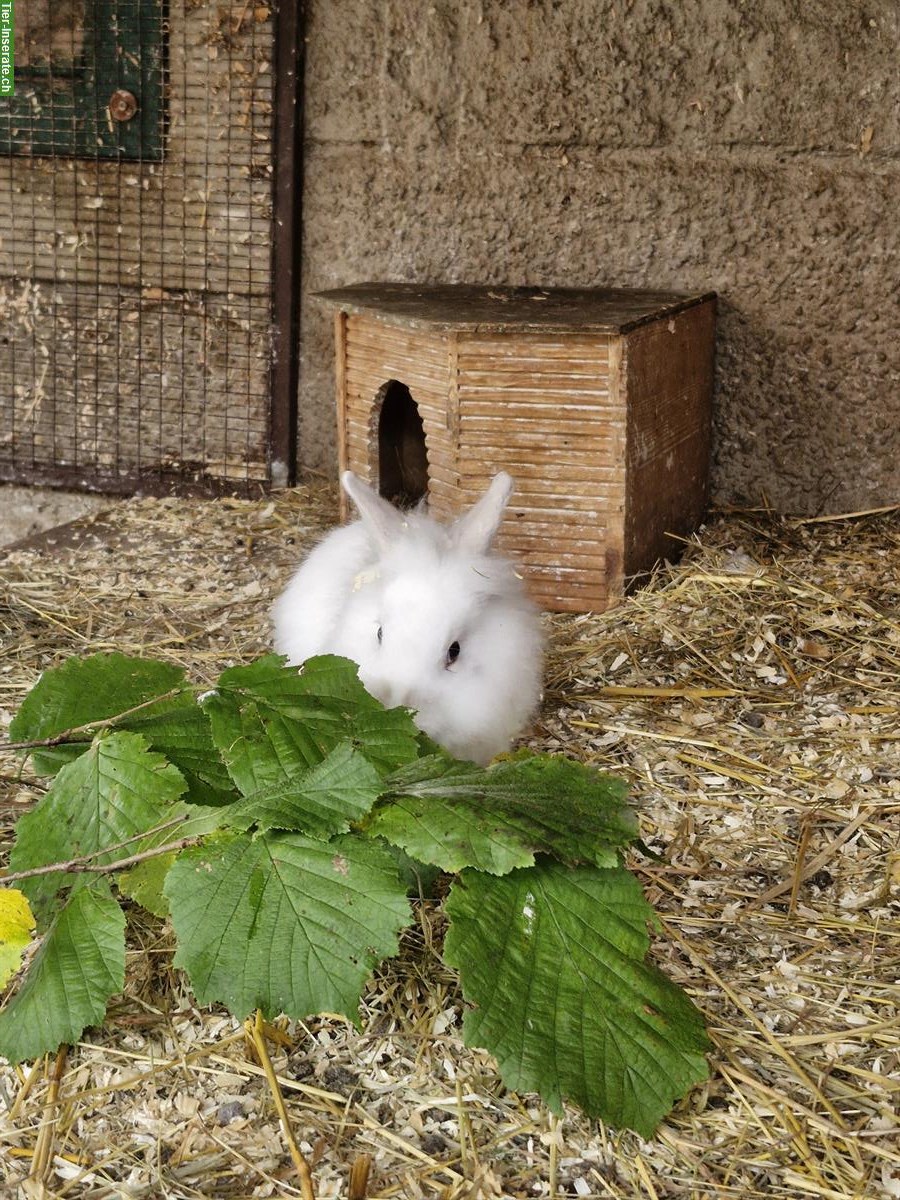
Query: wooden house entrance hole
402	455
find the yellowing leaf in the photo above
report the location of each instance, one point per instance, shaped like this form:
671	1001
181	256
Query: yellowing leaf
80	963
16	929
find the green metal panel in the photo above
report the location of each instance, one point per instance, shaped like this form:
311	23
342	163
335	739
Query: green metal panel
62	108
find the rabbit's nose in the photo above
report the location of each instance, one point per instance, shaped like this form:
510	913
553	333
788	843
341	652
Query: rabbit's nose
398	694
389	692
401	697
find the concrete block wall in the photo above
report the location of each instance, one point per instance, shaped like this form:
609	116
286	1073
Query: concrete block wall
750	146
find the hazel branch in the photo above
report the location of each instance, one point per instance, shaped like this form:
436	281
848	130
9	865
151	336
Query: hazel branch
80	865
67	735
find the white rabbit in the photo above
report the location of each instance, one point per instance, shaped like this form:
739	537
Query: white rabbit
435	621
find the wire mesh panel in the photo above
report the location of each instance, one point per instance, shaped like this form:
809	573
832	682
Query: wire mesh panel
136	168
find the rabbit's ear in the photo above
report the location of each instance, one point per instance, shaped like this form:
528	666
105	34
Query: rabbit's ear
474	531
380	517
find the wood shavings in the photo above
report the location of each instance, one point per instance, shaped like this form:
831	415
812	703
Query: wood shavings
755	709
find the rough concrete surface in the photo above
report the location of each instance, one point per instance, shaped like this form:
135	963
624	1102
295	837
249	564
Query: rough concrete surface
750	148
25	511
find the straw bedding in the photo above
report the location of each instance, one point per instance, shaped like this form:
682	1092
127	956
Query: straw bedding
749	694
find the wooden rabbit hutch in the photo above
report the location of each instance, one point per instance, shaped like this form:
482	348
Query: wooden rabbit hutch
597	402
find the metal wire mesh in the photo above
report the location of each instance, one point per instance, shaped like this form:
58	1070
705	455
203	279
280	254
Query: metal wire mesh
136	167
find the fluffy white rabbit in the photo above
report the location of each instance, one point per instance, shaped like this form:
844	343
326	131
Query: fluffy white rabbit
435	621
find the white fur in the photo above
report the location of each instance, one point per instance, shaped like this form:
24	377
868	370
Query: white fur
426	586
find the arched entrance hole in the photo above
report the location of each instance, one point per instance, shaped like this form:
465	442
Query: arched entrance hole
402	456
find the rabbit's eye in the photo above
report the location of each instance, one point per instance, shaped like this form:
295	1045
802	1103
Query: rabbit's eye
452	653
380	634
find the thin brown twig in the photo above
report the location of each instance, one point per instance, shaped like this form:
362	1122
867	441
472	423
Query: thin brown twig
236	25
359	1177
43	1146
667	693
135	837
806	830
803	873
57	739
78	865
27	1083
257	1034
845	516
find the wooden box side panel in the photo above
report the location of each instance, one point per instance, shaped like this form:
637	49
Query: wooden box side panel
370	352
541	407
667	376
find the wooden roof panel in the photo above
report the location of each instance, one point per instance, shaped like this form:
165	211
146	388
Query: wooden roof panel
485	309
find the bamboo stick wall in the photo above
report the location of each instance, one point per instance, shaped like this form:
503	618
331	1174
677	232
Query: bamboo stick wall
541	407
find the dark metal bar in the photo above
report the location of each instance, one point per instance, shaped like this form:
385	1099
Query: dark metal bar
153	481
286	214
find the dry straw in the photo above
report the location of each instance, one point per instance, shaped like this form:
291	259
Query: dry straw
749	694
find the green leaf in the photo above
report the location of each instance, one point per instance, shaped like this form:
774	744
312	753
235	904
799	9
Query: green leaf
270	721
554	961
320	801
284	923
326	677
183	734
79	965
457	815
144	881
420	880
16	928
117	789
86	690
240	736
